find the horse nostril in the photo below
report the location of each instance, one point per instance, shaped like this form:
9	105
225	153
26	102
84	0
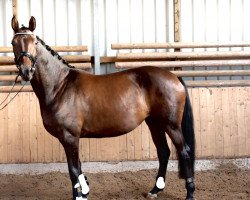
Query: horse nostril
25	71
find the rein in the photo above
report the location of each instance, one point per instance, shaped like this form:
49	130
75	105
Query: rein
12	98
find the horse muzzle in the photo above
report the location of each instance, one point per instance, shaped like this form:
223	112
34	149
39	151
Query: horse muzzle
26	72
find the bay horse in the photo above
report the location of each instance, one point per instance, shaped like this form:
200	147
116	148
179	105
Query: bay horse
76	104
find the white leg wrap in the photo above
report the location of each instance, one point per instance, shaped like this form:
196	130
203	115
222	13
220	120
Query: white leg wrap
83	183
160	183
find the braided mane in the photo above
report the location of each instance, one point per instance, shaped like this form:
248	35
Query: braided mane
54	53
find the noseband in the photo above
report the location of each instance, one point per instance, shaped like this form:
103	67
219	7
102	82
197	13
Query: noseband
25	54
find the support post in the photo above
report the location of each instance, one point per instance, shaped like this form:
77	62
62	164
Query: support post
177	26
97	67
15	8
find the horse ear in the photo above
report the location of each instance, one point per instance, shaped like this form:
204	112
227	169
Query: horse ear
32	24
14	24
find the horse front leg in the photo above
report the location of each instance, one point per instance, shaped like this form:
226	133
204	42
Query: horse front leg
80	186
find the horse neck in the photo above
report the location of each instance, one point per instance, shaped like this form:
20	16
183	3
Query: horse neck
49	77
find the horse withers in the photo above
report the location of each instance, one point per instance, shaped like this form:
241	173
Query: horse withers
75	104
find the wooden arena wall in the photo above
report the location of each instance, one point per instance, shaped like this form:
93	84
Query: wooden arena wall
222	114
222	129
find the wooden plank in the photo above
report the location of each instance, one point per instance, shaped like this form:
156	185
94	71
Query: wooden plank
203	121
233	135
226	121
55	150
138	143
219	136
183	64
177	45
242	126
84	150
218	83
25	126
108	149
152	148
7	49
77	58
19	141
33	124
48	145
130	146
62	154
40	137
5	60
98	150
150	144
12	130
17	88
210	122
116	152
206	73
209	55
145	144
3	132
92	149
86	65
246	96
123	154
8	68
197	120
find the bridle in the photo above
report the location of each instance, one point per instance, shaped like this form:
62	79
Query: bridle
33	66
25	54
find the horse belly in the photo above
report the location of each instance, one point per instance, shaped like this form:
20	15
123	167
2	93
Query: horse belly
112	125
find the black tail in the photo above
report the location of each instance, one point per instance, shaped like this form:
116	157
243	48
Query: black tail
187	126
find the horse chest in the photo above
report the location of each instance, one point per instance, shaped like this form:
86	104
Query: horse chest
56	122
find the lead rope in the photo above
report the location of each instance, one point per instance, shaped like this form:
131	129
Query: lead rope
10	93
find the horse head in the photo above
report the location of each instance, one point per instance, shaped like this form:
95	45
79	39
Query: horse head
24	47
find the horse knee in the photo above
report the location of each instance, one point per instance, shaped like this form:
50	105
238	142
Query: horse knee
184	153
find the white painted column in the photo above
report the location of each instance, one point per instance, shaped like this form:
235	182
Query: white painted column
97	67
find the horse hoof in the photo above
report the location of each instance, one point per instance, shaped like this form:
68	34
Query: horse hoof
151	196
81	198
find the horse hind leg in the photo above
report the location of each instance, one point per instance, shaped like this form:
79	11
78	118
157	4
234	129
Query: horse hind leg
163	152
185	164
